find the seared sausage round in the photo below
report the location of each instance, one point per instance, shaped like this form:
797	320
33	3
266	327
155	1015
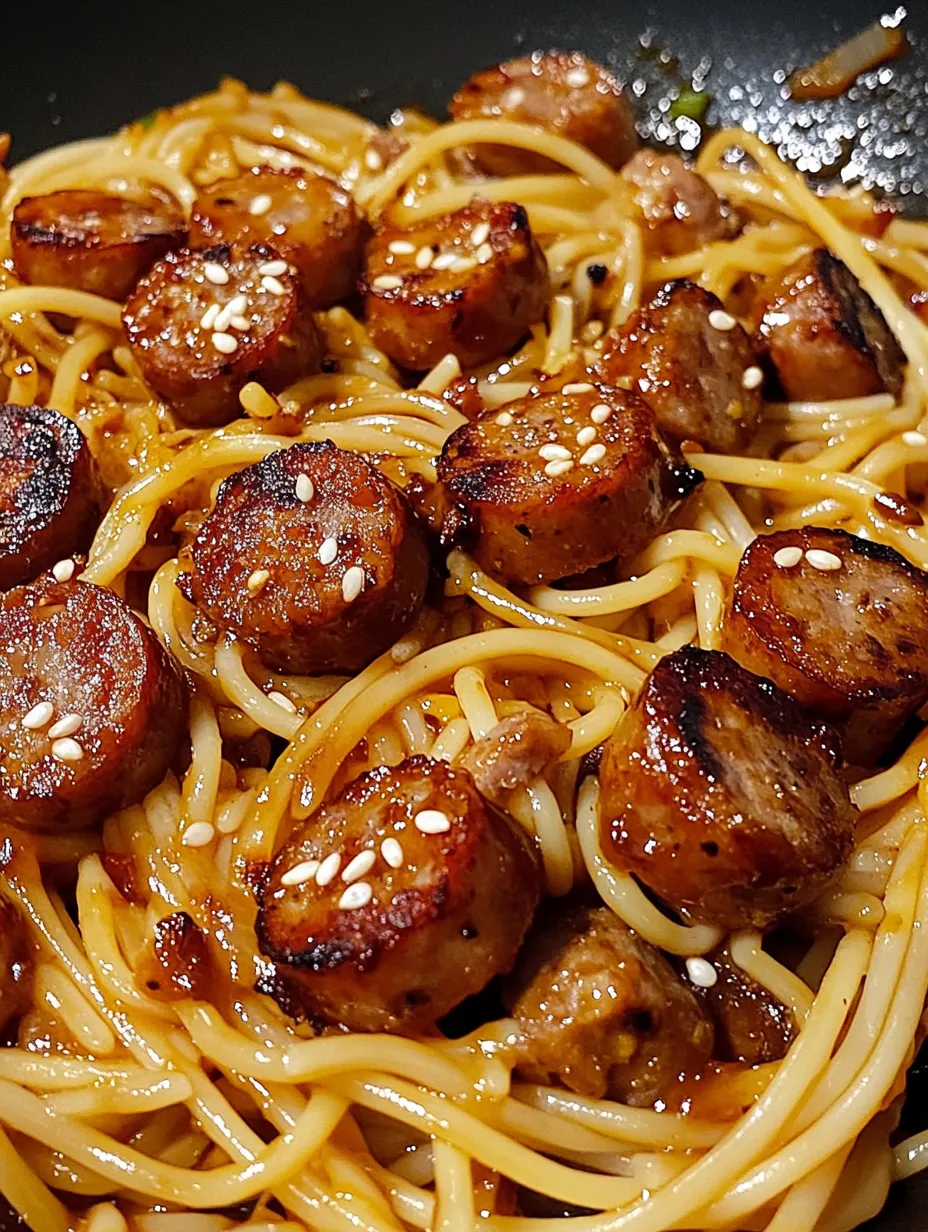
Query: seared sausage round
694	366
602	1012
751	1025
469	283
514	752
558	483
313	557
15	963
426	893
722	795
92	707
306	217
839	622
51	493
562	92
202	324
680	209
91	241
825	335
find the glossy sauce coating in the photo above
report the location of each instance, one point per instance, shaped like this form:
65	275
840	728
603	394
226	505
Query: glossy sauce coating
751	1025
679	208
16	963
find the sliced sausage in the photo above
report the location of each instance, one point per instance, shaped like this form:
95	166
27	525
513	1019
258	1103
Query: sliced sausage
839	622
92	707
751	1025
602	1012
92	241
824	334
680	209
516	751
561	92
426	893
202	324
469	284
558	483
693	364
16	964
723	795
177	965
313	557
308	218
51	494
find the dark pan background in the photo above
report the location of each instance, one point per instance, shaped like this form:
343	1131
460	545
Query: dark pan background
78	68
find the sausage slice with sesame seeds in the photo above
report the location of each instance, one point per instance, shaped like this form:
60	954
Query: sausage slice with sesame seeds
839	622
309	219
693	364
824	334
92	707
51	494
562	482
469	284
92	241
203	324
399	898
722	795
681	210
562	92
312	557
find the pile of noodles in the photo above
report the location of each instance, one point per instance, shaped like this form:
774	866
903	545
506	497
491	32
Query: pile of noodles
124	1110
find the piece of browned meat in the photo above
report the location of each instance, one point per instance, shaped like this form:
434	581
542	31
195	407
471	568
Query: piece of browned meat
92	707
558	483
426	893
693	364
202	324
751	1025
177	965
311	556
306	217
513	753
16	963
601	1011
51	494
680	210
562	92
468	284
824	334
92	241
839	622
722	795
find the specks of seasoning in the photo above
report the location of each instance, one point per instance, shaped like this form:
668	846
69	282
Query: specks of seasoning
554	453
701	972
257	580
281	699
484	253
600	413
259	205
914	438
304	488
328	551
208	319
722	320
555	469
392	852
360	866
273	269
388	282
424	257
300	873
787	558
827	562
198	834
352	583
479	233
401	248
586	436
432	821
67	750
444	261
577	77
63	571
594	454
357	895
373	160
67	725
752	378
38	716
504	419
215	273
597	273
328	869
578	387
273	285
224	343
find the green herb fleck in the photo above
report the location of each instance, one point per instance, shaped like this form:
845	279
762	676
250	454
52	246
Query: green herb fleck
690	103
147	120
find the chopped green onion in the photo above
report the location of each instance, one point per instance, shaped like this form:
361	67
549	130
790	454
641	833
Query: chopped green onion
691	103
147	120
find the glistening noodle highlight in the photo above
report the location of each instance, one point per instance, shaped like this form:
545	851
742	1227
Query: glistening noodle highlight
212	1108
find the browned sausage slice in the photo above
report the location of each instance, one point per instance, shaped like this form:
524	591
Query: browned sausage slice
92	707
680	209
825	335
694	366
469	284
839	622
203	324
602	1012
404	895
308	218
91	241
751	1025
723	795
556	484
313	557
50	492
563	92
513	753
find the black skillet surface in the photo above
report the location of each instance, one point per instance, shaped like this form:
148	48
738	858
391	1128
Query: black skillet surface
78	68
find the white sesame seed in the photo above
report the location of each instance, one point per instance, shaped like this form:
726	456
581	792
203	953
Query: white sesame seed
432	821
259	205
914	438
826	561
67	750
484	253
300	873
66	726
388	282
357	895
405	650
352	583
392	852
328	551
586	436
786	558
328	869
578	387
577	77
554	453
208	319
513	97
273	285
561	467
215	273
281	699
752	377
722	321
304	488
504	419
424	257
594	454
479	233
198	834
444	261
63	571
462	265
402	248
38	716
225	343
600	413
372	160
359	866
273	269
241	323
701	972
236	305
257	579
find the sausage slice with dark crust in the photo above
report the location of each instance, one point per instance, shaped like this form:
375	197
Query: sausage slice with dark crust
679	208
558	483
432	890
687	357
72	652
839	622
751	1025
516	751
723	795
562	92
307	217
469	284
203	324
92	241
313	557
51	494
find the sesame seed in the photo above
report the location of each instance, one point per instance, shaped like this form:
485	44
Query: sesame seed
578	387
577	77
826	561
225	343
300	873
257	579
586	436
215	273
198	834
786	558
701	972
752	377
234	307
67	750
361	864
594	454
405	650
388	282
273	285
432	821
479	233
424	257
352	583
720	320
63	571
560	467
328	869
328	551
462	265
554	453
66	726
513	97
304	488
259	205
504	419
444	261
914	438
38	716
392	852
281	699
208	319
402	248
273	269
357	895
240	323
484	253
372	160
600	413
